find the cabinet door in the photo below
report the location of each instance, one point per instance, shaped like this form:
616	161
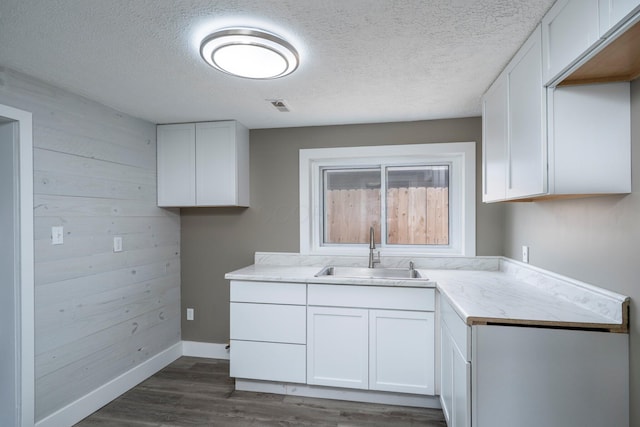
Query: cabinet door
222	165
401	351
526	172
494	141
455	381
461	393
446	373
337	347
569	30
216	179
613	12
176	165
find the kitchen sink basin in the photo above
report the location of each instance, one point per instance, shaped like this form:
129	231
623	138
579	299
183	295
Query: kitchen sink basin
370	273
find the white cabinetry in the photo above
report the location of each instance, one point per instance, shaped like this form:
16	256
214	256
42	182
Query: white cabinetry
502	376
554	142
495	140
614	12
338	347
401	351
569	29
370	337
526	173
203	164
514	128
455	368
268	331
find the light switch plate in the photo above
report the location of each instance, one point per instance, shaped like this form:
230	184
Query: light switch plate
190	313
117	244
57	235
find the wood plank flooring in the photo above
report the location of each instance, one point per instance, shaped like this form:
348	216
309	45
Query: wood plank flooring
198	392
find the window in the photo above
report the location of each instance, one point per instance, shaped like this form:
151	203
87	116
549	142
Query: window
418	199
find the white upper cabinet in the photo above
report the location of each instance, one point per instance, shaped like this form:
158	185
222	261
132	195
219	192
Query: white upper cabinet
176	157
514	128
494	137
614	12
589	139
569	29
526	169
556	122
203	164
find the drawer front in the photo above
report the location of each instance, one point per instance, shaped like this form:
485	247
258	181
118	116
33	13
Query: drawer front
268	361
457	328
268	322
393	298
268	292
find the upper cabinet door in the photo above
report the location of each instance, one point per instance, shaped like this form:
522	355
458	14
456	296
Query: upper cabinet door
218	151
176	145
494	141
526	172
569	29
614	12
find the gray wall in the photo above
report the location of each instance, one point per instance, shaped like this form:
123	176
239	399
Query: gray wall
595	239
215	241
97	313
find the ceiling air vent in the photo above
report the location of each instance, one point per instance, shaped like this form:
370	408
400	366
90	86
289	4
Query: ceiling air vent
279	105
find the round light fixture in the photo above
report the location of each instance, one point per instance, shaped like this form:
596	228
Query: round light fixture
249	53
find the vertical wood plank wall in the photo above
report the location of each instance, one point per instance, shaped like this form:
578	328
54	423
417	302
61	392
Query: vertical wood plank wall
98	313
416	215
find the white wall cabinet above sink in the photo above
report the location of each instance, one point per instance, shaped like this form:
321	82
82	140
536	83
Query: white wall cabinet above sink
203	164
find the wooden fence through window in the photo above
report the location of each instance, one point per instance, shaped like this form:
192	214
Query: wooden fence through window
416	215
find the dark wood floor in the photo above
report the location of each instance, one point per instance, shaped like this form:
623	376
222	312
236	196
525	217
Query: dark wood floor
198	392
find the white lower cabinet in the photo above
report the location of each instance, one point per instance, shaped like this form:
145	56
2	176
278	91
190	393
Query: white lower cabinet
376	346
504	376
455	368
268	331
337	349
401	351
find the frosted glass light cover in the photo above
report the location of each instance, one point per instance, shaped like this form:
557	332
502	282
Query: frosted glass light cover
251	61
249	53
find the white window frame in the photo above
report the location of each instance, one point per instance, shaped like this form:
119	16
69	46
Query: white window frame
461	156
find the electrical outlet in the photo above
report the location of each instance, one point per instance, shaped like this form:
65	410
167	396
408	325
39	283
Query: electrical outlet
117	244
525	254
57	235
190	313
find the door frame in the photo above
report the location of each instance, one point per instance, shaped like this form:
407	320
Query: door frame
25	315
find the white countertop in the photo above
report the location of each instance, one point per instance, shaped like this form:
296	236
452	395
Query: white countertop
279	273
488	297
515	294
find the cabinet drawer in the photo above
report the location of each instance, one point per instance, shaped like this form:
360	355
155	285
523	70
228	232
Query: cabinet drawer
268	322
268	361
268	292
457	328
394	298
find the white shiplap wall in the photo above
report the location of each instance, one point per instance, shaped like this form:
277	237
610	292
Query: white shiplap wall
98	313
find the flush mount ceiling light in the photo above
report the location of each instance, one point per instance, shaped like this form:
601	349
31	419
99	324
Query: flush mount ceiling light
249	53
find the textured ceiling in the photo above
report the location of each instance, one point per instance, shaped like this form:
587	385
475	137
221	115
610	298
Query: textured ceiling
362	61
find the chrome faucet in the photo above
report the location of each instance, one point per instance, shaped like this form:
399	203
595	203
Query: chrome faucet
372	245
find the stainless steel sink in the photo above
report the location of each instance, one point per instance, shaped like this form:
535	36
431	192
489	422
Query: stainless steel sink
370	273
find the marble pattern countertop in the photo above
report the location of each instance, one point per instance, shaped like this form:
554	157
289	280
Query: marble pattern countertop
491	290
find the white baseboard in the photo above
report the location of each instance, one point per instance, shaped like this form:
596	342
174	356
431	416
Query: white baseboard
369	396
86	405
204	349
